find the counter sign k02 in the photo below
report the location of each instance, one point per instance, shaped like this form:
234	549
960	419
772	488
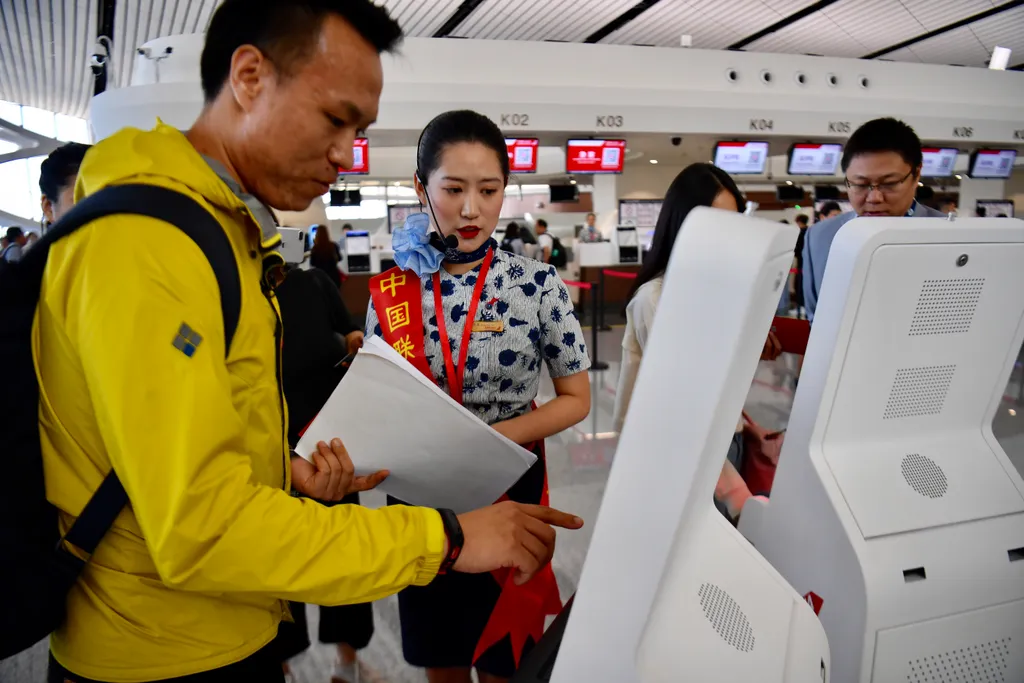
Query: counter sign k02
360	158
595	156
522	154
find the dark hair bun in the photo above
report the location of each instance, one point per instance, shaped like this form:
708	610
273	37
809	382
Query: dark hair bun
453	127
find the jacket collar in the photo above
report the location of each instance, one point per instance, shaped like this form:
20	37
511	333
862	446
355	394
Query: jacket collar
264	217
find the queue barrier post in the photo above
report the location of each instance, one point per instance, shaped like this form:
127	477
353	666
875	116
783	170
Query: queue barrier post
601	324
596	364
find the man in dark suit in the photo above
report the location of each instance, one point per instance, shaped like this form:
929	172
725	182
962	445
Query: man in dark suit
882	163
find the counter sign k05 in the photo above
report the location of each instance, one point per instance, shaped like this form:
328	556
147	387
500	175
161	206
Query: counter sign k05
595	156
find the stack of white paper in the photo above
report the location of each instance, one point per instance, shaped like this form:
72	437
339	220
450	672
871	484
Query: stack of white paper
392	417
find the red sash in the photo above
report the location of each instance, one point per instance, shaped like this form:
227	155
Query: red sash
521	610
397	300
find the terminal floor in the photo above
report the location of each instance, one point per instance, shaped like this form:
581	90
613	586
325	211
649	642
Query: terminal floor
578	462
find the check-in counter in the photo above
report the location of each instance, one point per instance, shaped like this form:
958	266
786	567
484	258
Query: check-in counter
592	258
355	291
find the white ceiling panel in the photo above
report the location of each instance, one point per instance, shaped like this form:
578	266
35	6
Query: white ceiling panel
849	28
44	53
902	55
816	34
45	45
664	23
959	46
1004	30
934	14
419	18
568	20
972	45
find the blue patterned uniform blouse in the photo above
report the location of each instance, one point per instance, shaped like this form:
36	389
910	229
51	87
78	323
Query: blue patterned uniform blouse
502	373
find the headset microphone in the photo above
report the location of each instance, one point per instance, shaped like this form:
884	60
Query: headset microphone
443	244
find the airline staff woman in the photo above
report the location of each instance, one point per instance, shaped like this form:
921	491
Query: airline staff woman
696	185
490	321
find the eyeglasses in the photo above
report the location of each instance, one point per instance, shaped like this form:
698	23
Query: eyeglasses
884	188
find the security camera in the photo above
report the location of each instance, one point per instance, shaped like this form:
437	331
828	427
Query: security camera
676	141
147	52
99	59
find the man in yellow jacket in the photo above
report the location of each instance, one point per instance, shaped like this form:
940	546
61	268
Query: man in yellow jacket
191	577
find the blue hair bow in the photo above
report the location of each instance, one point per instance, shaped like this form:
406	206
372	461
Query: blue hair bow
411	243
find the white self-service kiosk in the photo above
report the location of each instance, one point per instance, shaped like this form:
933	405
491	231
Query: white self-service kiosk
670	591
893	501
628	240
357	252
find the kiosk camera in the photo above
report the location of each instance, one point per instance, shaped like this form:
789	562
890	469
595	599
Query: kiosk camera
893	501
670	591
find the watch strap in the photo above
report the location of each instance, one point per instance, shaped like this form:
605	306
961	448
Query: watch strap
453	531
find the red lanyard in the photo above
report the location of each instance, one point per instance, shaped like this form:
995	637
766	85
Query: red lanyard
455	371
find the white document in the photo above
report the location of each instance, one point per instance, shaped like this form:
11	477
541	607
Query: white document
391	417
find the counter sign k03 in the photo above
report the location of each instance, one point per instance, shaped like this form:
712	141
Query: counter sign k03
595	156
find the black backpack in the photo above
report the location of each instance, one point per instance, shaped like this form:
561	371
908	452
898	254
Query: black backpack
559	257
37	571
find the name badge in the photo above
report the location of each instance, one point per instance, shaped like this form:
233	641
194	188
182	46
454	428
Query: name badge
488	326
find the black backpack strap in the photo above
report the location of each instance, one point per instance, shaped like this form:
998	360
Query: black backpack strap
199	224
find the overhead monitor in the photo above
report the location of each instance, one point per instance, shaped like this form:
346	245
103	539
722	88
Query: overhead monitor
522	154
938	162
346	197
360	158
992	163
595	156
809	158
564	193
744	157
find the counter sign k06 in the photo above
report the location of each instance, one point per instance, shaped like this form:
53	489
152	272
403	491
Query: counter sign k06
595	156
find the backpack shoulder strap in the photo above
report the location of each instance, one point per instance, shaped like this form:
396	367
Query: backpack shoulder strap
199	224
179	210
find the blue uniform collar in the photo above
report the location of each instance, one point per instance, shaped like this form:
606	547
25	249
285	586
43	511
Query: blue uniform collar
912	210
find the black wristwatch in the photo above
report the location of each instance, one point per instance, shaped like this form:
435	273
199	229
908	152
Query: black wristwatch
453	531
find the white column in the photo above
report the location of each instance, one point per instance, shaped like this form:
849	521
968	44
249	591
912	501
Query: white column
972	190
606	203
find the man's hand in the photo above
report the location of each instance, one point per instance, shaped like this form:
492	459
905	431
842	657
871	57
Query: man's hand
354	341
512	535
772	347
331	475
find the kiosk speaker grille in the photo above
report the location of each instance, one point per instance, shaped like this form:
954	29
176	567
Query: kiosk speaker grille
985	663
924	476
726	616
946	306
918	391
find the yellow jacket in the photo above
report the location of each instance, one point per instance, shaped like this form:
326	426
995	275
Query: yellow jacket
192	575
